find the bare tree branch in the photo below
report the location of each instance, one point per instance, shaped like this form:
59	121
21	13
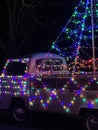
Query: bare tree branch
23	16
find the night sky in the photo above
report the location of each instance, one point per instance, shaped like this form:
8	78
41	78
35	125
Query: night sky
37	27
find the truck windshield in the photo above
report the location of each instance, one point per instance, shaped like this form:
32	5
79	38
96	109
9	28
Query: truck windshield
49	64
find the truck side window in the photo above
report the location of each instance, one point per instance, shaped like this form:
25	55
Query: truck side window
16	68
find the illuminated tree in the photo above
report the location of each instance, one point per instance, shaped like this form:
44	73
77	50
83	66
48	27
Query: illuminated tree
76	38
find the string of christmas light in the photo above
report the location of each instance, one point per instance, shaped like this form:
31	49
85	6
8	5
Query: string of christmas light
83	66
66	105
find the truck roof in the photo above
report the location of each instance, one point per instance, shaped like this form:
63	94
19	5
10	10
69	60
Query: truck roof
46	55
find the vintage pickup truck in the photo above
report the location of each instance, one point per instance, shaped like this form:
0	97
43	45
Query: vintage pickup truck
42	83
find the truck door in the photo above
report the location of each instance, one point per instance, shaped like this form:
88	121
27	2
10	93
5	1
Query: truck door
13	82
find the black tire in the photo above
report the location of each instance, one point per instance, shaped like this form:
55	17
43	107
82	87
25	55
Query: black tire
18	113
92	122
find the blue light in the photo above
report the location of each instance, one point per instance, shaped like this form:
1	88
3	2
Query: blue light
90	105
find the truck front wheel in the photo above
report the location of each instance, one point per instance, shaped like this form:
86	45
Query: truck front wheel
18	112
92	122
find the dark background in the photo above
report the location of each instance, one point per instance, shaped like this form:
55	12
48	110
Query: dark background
26	28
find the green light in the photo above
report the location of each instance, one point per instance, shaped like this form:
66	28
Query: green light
97	4
68	37
74	98
43	105
52	47
89	11
74	15
84	99
38	91
67	110
75	82
83	3
96	100
86	86
75	12
67	29
85	16
25	83
50	98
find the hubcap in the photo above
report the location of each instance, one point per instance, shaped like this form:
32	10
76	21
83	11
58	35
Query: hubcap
19	114
92	122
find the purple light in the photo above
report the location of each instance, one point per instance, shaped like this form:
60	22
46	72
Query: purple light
62	103
78	92
69	104
40	97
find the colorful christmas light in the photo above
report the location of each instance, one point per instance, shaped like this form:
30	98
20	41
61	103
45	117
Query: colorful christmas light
75	38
